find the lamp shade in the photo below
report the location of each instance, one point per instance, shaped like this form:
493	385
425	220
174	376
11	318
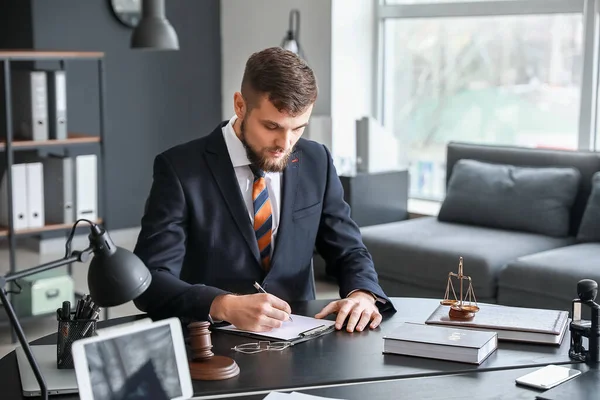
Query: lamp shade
115	275
289	43
154	32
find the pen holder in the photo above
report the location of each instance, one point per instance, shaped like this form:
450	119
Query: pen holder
68	332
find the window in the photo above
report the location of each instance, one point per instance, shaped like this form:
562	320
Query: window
497	79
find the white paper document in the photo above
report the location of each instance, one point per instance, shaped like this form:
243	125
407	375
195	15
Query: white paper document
299	327
294	396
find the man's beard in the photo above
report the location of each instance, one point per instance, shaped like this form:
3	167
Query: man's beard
261	161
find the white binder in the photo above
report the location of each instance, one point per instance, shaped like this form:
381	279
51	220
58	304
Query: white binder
59	189
30	105
19	198
86	187
57	104
35	195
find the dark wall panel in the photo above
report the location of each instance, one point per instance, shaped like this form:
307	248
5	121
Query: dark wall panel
154	99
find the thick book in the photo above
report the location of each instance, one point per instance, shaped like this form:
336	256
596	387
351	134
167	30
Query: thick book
518	324
461	345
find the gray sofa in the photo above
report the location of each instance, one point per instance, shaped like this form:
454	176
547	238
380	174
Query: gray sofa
508	266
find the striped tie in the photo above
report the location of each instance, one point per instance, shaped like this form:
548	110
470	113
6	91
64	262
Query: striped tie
263	220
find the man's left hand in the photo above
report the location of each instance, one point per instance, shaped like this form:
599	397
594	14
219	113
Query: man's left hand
359	306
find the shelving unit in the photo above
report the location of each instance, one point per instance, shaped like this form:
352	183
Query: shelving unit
9	146
74	139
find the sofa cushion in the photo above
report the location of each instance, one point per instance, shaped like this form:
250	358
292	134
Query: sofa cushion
587	162
423	251
589	230
527	199
548	279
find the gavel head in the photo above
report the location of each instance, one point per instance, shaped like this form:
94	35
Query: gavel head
587	290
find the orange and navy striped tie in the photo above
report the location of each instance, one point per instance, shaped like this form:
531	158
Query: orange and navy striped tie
263	218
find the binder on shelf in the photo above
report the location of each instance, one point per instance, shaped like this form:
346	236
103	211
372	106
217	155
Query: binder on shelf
57	104
59	186
86	187
30	105
35	195
19	198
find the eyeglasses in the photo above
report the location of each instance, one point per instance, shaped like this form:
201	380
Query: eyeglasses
258	347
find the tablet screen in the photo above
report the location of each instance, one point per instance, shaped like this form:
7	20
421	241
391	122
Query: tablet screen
139	365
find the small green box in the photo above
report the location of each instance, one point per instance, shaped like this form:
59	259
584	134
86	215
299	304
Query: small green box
43	293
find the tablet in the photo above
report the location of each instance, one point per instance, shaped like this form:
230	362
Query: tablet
139	361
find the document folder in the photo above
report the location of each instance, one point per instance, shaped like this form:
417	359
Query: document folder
57	104
35	195
19	198
300	330
86	187
30	105
59	187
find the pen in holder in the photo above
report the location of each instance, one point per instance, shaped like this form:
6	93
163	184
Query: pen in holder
72	326
68	332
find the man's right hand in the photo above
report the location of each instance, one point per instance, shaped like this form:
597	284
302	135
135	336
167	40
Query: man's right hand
259	312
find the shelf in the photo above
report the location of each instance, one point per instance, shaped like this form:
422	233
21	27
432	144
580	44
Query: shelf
47	228
34	55
74	139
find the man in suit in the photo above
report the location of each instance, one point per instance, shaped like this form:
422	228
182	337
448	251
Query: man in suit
248	203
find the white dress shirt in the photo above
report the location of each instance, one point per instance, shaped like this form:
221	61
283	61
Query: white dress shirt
245	178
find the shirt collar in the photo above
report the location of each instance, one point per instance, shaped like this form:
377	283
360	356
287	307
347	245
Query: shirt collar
235	147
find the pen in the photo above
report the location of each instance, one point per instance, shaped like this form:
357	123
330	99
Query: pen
89	325
260	289
66	310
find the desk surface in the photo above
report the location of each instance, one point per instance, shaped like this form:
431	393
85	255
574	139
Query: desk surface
480	385
336	358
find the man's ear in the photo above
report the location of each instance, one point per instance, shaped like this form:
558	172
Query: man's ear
239	105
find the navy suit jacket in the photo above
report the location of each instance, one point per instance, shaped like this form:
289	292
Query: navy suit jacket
198	240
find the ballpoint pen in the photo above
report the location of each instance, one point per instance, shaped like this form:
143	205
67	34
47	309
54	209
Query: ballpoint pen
260	289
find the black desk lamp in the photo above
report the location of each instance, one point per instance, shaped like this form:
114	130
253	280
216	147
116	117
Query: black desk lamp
154	32
115	277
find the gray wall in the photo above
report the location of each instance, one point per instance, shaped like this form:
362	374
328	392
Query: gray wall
248	26
154	99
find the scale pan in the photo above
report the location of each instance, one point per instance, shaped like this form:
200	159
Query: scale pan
448	302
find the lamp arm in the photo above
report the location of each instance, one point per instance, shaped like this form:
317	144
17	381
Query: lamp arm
79	256
21	336
294	14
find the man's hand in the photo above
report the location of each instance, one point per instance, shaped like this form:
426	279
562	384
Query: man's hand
259	312
361	308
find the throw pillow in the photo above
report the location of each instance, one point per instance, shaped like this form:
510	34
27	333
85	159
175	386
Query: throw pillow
529	199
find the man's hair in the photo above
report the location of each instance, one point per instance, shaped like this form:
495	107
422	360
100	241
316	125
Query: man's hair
284	77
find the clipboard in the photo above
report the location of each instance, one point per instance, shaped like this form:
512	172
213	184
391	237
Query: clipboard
300	330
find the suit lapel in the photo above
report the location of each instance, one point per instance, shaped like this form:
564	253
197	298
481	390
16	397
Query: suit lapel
290	184
217	158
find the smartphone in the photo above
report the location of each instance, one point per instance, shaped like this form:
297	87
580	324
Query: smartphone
548	377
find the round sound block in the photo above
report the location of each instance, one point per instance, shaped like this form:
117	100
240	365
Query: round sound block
214	368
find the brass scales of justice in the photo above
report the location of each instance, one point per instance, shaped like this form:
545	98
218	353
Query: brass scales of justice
460	307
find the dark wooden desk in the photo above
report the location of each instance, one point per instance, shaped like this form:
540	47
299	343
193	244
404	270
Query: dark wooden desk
332	359
480	385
